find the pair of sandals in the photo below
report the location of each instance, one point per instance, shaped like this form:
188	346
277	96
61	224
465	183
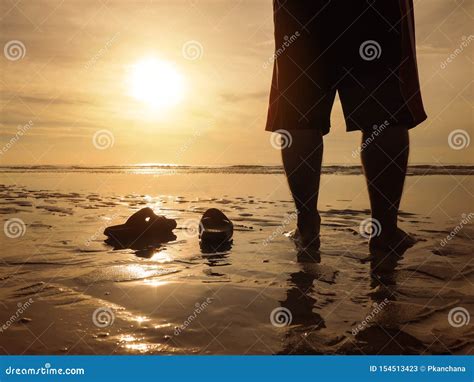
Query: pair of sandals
147	227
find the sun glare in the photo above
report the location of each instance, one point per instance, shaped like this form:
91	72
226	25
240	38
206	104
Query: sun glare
157	83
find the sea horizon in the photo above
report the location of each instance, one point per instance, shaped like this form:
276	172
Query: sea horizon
167	168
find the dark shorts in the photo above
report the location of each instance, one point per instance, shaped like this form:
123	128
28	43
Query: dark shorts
363	49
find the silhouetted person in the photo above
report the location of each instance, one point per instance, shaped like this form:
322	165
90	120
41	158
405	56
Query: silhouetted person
364	50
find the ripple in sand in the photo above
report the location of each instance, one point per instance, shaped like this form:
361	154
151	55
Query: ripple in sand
55	209
442	271
11	210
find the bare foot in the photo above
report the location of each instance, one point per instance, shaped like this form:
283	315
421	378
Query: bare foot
305	242
399	241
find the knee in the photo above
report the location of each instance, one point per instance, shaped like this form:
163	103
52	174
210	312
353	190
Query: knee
391	136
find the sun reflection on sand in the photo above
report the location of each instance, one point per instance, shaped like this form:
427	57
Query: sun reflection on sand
127	338
139	347
162	257
136	271
155	283
156	206
133	343
141	319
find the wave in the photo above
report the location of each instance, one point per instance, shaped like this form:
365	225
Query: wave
416	170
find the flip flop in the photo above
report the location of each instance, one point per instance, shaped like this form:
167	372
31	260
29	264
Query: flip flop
142	225
215	227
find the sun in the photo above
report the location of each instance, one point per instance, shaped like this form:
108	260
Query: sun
157	83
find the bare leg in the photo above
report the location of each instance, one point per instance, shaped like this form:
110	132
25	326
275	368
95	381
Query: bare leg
302	163
385	162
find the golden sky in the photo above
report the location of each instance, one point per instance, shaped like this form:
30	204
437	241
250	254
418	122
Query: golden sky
71	79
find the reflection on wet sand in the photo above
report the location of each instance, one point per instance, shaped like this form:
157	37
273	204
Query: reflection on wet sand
382	327
383	275
380	331
209	247
301	303
141	243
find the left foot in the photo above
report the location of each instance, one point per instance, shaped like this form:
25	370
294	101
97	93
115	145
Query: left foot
305	242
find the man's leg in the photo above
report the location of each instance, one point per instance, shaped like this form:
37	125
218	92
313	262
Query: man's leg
385	161
302	163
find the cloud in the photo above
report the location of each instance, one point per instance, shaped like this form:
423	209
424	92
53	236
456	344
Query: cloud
234	97
43	99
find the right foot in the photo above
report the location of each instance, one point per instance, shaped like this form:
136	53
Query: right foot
399	241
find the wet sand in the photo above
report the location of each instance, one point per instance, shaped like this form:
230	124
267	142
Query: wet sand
64	291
